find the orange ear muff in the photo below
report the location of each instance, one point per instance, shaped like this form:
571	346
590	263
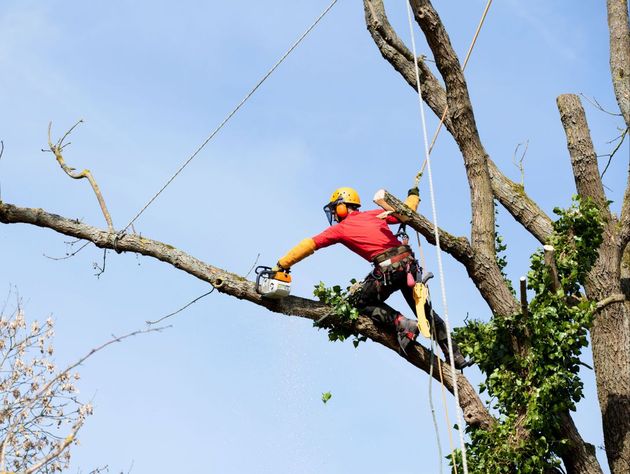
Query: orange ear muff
341	211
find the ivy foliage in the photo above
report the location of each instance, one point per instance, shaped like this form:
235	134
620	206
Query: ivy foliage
531	363
340	301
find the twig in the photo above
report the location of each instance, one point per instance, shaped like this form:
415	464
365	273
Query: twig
518	162
69	439
98	470
255	262
180	309
597	105
57	149
101	269
70	255
610	155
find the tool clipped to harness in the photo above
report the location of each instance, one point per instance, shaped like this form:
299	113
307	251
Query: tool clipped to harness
272	284
402	234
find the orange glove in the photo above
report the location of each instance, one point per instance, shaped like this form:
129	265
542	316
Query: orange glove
302	250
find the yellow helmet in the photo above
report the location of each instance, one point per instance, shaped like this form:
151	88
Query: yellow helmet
337	208
346	195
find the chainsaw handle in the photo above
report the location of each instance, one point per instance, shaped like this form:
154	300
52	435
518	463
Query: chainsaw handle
261	271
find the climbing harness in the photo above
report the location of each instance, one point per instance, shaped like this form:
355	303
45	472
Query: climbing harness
231	114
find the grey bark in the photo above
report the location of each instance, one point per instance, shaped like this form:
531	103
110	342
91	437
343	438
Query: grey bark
610	332
619	29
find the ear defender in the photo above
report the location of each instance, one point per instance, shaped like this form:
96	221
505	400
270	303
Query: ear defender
341	211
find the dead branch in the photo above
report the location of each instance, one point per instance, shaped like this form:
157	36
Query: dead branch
620	139
518	162
157	321
57	149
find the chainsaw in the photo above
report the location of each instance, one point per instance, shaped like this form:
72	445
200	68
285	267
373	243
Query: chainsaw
272	284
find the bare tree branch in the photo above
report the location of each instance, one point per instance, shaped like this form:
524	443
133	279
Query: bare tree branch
57	149
180	309
620	139
619	28
234	285
583	157
399	56
464	128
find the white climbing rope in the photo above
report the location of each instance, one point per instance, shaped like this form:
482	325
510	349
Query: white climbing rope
437	243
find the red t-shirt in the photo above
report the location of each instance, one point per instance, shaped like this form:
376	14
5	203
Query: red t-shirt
362	232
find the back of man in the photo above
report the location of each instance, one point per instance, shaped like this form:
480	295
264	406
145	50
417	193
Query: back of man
395	267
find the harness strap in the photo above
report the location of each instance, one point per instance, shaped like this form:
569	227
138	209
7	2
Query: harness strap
391	253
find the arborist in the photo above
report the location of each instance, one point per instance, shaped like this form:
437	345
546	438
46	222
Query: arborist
367	233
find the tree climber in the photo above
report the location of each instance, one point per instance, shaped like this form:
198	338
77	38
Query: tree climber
368	235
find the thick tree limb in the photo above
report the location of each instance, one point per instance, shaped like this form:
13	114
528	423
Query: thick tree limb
619	28
624	226
464	127
234	285
583	157
525	211
397	54
610	332
580	455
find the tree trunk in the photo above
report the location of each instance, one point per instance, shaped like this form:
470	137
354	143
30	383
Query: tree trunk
610	332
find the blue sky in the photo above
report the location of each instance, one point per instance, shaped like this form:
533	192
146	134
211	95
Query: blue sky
231	387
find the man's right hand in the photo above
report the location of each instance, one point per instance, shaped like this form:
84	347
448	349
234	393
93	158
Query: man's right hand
279	268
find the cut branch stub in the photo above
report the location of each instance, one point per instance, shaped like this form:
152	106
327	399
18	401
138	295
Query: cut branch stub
523	288
550	261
